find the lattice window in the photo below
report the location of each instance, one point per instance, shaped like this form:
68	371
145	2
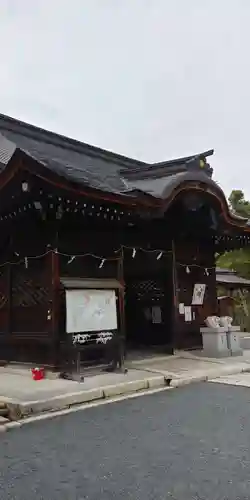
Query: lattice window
31	286
145	290
28	291
31	296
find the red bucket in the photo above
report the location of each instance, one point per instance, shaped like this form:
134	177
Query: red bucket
37	373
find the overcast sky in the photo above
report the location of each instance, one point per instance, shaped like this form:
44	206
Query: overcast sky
151	79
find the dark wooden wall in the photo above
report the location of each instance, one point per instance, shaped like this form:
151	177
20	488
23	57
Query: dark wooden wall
31	319
26	287
195	263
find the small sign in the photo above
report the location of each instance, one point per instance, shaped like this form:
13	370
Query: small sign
181	308
156	314
188	313
198	294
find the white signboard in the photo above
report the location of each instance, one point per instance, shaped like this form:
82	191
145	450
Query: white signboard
198	294
90	310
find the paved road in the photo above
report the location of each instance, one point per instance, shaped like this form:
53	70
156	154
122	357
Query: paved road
190	443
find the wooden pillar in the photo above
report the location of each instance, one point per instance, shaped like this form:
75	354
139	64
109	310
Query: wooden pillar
175	322
10	311
55	275
121	299
9	288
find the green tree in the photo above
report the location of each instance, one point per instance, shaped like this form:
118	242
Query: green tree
238	203
239	260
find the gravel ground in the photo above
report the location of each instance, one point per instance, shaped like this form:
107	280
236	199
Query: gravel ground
190	443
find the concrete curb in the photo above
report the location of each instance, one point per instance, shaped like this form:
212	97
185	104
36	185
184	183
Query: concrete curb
76	408
155	382
52	406
212	374
224	370
124	388
55	403
20	410
188	380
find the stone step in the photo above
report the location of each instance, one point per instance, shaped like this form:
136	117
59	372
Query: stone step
245	342
3	420
4	412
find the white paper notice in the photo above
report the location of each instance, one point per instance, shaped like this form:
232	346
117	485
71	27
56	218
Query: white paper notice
156	314
90	310
188	313
181	308
198	294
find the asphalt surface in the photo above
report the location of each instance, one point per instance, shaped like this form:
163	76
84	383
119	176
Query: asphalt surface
183	444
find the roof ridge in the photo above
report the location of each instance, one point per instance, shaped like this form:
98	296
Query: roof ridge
172	165
185	159
12	124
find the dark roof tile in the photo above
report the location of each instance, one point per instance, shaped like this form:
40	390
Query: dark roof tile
78	167
88	165
7	148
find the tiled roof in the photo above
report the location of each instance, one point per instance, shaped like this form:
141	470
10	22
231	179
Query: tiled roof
91	166
7	149
229	277
232	279
224	270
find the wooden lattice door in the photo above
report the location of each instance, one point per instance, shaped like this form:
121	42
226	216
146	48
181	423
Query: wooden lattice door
148	312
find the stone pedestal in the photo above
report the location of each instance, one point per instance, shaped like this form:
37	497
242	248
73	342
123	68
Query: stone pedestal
215	344
245	341
233	341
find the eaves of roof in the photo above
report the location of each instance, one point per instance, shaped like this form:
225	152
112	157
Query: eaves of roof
232	279
101	170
